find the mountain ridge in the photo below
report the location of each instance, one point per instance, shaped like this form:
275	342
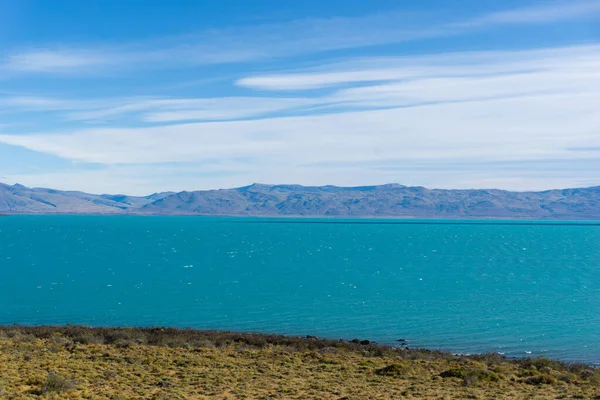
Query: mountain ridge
389	200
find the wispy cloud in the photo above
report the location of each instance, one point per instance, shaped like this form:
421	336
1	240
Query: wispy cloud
226	108
33	103
315	121
259	42
153	109
521	128
550	11
502	115
383	83
56	61
483	63
227	45
374	83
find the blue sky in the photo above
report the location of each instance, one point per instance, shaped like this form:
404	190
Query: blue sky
144	96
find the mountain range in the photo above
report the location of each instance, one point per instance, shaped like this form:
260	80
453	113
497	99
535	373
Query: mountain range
391	200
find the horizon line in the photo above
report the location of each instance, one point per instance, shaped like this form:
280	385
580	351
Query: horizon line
394	184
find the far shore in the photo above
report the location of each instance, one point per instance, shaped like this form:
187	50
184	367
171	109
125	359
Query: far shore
329	218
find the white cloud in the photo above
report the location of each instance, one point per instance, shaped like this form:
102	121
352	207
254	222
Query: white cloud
384	83
156	109
430	66
28	103
549	12
227	45
258	42
519	128
429	90
33	103
475	116
143	180
134	180
55	61
223	108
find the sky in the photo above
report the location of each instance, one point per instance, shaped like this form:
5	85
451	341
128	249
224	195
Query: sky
143	96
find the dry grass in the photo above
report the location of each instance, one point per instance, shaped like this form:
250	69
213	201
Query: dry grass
108	363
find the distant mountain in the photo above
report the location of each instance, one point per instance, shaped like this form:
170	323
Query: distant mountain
391	200
18	199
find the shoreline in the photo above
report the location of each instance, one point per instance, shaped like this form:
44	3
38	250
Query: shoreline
159	336
72	362
362	219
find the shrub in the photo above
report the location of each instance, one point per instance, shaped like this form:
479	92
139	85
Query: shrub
490	358
567	378
577	367
56	384
541	379
408	371
471	376
587	373
390	370
88	338
541	363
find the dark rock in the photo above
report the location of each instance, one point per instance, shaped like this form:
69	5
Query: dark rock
357	341
312	337
365	342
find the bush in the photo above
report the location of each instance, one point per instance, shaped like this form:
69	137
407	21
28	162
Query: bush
587	373
471	376
390	370
490	358
541	363
408	371
56	384
88	338
577	367
567	378
541	379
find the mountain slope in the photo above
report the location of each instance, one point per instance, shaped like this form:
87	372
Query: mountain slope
383	201
22	200
391	200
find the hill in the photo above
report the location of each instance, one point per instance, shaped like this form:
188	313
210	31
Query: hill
390	200
18	199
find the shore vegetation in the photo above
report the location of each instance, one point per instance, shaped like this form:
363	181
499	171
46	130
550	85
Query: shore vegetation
77	362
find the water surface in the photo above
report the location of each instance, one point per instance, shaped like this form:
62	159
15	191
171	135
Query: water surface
512	287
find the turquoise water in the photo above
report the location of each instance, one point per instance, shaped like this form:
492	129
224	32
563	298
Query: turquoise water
466	287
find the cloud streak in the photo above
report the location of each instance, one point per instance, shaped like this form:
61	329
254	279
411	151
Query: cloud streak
313	121
424	126
520	128
549	12
381	83
431	66
247	43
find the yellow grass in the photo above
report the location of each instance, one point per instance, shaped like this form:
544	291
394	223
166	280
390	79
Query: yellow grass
57	367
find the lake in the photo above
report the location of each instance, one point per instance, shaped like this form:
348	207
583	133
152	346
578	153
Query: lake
519	288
